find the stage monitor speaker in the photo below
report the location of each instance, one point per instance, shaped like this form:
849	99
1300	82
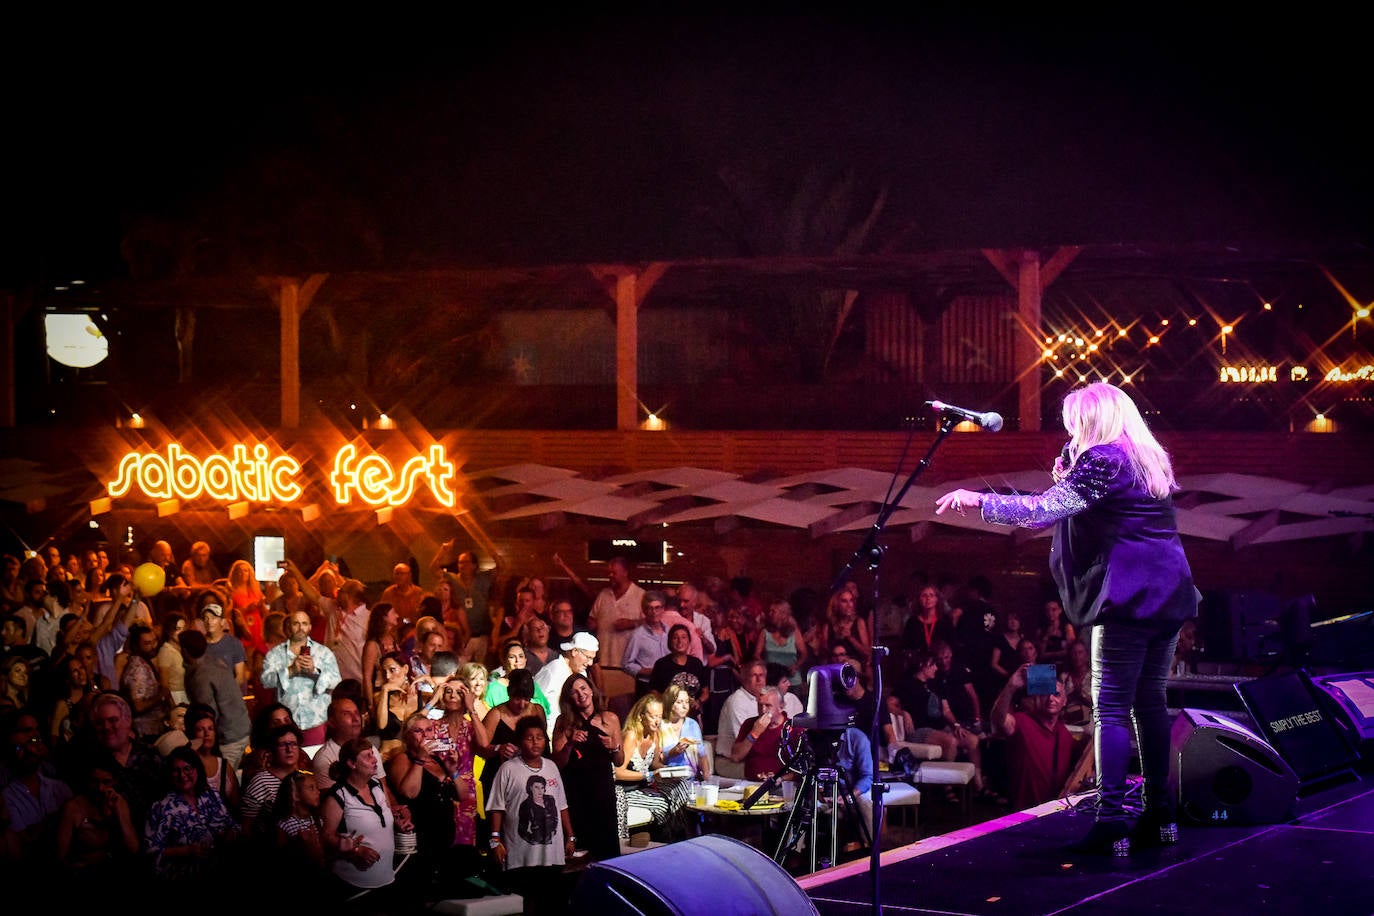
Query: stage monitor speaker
1301	722
706	874
1224	773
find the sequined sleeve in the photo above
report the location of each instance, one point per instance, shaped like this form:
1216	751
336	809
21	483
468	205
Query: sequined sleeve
1088	480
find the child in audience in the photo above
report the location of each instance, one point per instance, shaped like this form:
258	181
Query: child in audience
531	830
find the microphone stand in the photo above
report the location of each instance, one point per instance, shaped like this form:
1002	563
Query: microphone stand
871	552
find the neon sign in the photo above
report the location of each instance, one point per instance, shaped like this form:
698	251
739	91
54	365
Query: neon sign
1249	373
181	475
376	482
257	475
1362	374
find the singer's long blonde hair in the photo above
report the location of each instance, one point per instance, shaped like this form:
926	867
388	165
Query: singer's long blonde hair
1099	414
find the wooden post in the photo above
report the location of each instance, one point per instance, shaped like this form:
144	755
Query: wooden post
293	298
626	353
1027	346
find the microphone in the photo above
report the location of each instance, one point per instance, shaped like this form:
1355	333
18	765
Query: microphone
990	421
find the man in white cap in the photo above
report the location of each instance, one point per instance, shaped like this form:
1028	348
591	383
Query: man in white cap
578	655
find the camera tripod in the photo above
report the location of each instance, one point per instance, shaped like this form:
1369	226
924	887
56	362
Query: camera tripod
819	780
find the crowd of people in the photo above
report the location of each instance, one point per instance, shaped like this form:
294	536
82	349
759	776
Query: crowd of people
458	740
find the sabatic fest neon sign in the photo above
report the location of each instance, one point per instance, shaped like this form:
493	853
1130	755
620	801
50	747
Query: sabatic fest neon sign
257	475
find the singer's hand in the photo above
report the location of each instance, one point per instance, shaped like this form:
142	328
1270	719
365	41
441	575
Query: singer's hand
958	500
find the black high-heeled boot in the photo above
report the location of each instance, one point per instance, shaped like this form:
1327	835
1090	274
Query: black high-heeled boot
1155	828
1106	838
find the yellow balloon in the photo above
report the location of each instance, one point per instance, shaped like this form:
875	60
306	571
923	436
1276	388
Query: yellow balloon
149	579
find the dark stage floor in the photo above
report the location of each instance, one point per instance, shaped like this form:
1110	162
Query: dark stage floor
1322	861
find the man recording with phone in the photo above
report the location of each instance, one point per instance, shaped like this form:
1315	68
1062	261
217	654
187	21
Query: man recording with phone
1040	749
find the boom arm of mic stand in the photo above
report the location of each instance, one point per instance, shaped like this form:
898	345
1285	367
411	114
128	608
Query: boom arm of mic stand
870	551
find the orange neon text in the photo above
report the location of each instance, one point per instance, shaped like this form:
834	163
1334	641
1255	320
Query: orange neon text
376	482
178	474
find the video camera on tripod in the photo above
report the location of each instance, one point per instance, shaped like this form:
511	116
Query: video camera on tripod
828	704
830	711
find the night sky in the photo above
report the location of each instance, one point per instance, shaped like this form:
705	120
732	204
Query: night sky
428	142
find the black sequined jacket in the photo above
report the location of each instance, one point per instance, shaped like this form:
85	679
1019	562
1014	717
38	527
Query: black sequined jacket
1116	553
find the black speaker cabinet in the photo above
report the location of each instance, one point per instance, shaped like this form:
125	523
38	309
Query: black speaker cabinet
1223	773
706	874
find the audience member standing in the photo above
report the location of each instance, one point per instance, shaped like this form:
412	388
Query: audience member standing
531	829
199	569
539	645
348	631
976	623
360	818
221	644
139	684
680	667
648	642
617	610
926	625
303	672
587	748
472	590
209	682
578	656
403	594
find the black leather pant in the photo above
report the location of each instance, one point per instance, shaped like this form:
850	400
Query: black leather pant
1130	663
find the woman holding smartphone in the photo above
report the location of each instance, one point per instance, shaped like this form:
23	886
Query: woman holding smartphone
1122	576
